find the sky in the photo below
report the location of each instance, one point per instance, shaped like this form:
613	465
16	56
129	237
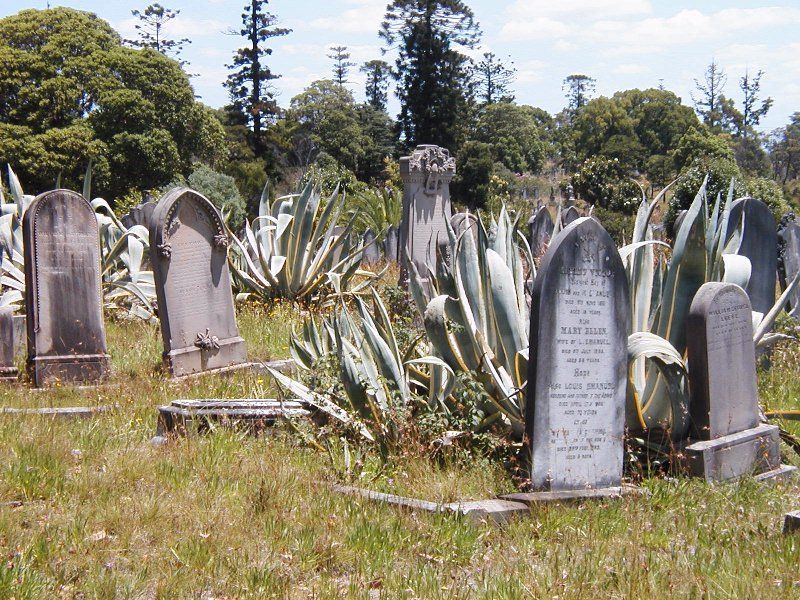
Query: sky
623	44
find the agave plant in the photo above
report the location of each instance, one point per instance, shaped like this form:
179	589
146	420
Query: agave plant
294	250
381	386
12	268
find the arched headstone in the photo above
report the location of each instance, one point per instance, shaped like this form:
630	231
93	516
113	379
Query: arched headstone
189	252
568	215
63	298
540	229
391	243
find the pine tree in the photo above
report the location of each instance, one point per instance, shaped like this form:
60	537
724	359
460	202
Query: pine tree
752	113
153	20
494	79
341	63
579	90
377	72
710	101
434	90
248	84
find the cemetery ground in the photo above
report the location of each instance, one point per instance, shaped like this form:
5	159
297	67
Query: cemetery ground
89	508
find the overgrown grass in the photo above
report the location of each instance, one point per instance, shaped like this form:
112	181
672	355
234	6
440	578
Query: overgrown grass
90	509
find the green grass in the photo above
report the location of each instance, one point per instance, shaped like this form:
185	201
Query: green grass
90	509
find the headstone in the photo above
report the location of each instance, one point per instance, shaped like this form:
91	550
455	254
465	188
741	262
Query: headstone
66	334
189	252
8	365
759	244
724	396
372	253
391	243
141	214
338	252
540	228
676	226
569	215
577	372
790	263
461	222
426	178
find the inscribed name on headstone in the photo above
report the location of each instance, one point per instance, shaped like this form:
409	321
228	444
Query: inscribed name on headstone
189	251
66	334
426	178
790	263
540	229
760	244
578	362
722	361
8	365
568	215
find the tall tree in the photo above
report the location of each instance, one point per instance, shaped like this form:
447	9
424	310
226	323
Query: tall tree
153	19
248	84
579	89
752	112
494	78
433	75
377	72
708	99
341	63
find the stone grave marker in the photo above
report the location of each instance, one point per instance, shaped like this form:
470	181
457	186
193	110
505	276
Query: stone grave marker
338	252
540	229
759	244
426	178
790	263
577	371
8	365
189	252
724	397
141	214
65	330
461	222
391	243
568	215
372	253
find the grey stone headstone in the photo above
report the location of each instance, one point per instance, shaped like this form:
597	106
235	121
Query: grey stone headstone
141	214
391	243
790	262
461	222
760	245
8	365
189	252
577	371
338	252
66	334
724	395
540	229
372	253
426	178
569	215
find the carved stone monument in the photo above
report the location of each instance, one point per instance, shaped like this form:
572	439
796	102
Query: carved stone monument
759	244
66	334
577	370
724	397
540	229
790	263
8	363
426	205
568	215
189	252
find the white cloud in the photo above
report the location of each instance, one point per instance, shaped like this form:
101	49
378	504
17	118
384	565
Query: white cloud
631	69
582	9
530	71
534	29
364	18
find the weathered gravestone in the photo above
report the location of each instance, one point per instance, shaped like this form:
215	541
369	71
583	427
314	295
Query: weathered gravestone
577	370
372	253
189	252
760	244
540	229
66	334
790	263
462	222
8	366
142	214
724	396
339	251
391	243
569	215
426	178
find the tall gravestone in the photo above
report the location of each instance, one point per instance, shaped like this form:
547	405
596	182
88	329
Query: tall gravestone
724	396
540	229
759	244
577	370
372	253
790	263
426	178
391	243
8	363
189	252
66	334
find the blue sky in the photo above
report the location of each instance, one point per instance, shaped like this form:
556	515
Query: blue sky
622	43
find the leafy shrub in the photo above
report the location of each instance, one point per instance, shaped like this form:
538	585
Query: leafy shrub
605	183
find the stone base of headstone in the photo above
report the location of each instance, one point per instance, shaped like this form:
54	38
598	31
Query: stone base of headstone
791	522
497	510
46	370
63	412
530	498
753	451
9	373
183	417
191	361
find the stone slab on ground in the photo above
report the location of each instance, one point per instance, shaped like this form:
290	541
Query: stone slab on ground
782	473
530	498
194	416
64	412
791	522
